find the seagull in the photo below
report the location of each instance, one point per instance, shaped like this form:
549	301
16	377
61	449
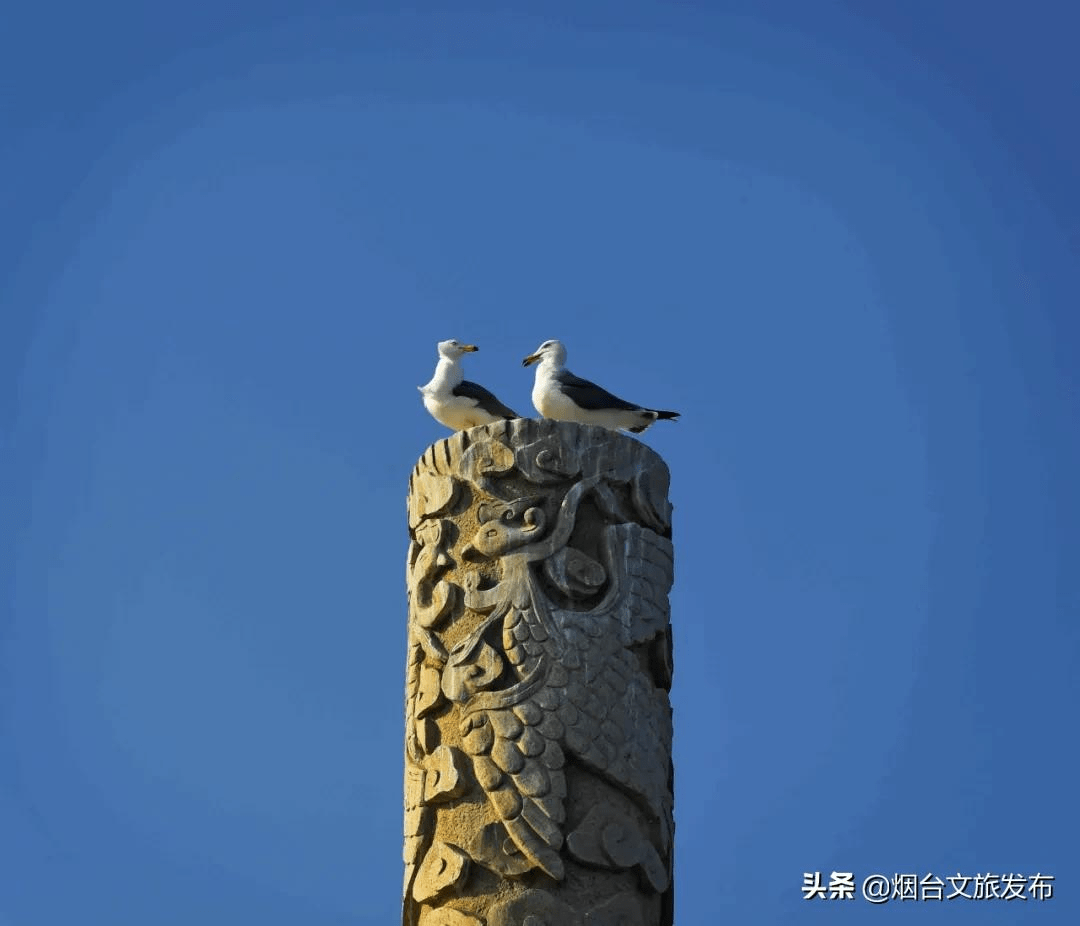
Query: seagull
453	400
558	393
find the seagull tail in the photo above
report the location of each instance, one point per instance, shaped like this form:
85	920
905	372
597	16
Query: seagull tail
666	416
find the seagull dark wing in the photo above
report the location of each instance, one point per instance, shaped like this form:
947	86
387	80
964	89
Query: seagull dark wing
588	395
483	398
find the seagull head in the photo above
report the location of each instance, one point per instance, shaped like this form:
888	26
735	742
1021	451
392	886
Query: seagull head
452	349
550	351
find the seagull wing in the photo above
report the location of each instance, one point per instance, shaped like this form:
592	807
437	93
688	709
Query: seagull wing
588	395
483	398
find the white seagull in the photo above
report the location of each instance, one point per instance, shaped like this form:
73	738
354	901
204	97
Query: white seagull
454	401
558	393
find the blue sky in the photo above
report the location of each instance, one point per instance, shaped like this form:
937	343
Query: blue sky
842	241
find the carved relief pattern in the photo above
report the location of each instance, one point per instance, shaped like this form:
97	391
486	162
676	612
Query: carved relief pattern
538	727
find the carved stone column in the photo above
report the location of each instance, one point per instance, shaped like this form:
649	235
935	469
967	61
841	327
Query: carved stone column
538	779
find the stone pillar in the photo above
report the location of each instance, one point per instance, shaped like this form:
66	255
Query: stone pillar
538	778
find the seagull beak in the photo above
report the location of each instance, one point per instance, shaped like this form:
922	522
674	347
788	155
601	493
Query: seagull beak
532	358
469	348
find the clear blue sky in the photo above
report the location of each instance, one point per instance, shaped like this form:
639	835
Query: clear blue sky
841	238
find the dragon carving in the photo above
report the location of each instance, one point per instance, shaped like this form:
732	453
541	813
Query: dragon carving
538	723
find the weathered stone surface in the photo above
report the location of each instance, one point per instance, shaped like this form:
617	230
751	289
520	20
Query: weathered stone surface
444	867
538	726
444	916
444	780
609	838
